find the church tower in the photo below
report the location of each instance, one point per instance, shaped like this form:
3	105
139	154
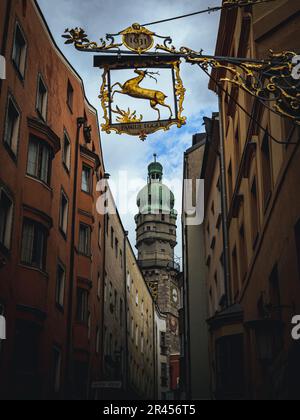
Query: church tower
156	240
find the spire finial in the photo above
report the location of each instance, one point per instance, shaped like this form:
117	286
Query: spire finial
155	157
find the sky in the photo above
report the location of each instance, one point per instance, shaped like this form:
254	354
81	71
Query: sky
127	157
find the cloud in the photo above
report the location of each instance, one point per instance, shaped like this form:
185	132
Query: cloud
98	17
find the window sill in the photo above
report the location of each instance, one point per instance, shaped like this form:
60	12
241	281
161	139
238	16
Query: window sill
19	74
40	182
32	268
63	234
41	116
66	168
60	308
89	193
11	153
4	250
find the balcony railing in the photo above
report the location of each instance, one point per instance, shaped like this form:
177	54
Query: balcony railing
169	265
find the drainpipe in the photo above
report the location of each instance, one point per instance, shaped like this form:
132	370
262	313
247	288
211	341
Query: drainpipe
69	351
224	208
126	358
186	295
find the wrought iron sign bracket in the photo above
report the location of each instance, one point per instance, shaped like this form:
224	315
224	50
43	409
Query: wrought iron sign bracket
269	80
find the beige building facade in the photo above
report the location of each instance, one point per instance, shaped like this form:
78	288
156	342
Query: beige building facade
253	354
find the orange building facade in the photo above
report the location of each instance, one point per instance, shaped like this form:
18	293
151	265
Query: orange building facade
51	236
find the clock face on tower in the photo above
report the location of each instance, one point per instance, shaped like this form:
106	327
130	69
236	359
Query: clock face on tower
174	295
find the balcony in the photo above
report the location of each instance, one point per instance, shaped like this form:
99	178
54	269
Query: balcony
158	263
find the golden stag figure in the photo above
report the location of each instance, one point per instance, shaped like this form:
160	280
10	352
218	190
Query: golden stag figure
133	89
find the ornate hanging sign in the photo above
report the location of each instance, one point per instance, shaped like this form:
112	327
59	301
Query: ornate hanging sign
140	93
142	90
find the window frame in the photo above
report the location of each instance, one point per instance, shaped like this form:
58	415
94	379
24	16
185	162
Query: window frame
89	229
8	225
42	113
20	71
90	183
15	137
70	101
63	231
44	231
59	304
41	145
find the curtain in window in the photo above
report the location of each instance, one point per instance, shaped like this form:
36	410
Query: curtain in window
38	248
27	242
45	164
32	165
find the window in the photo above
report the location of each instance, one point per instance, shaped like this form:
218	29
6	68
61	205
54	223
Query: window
19	51
163	343
136	336
243	255
63	215
70	95
41	98
98	338
105	288
137	298
235	275
39	160
254	213
99	235
142	343
112	233
56	373
115	304
6	218
128	281
132	329
99	286
107	224
86	180
142	308
34	244
116	248
67	152
84	240
82	306
12	124
230	182
60	286
164	374
121	310
121	258
266	169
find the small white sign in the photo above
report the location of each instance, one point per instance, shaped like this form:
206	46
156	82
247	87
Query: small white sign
2	328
